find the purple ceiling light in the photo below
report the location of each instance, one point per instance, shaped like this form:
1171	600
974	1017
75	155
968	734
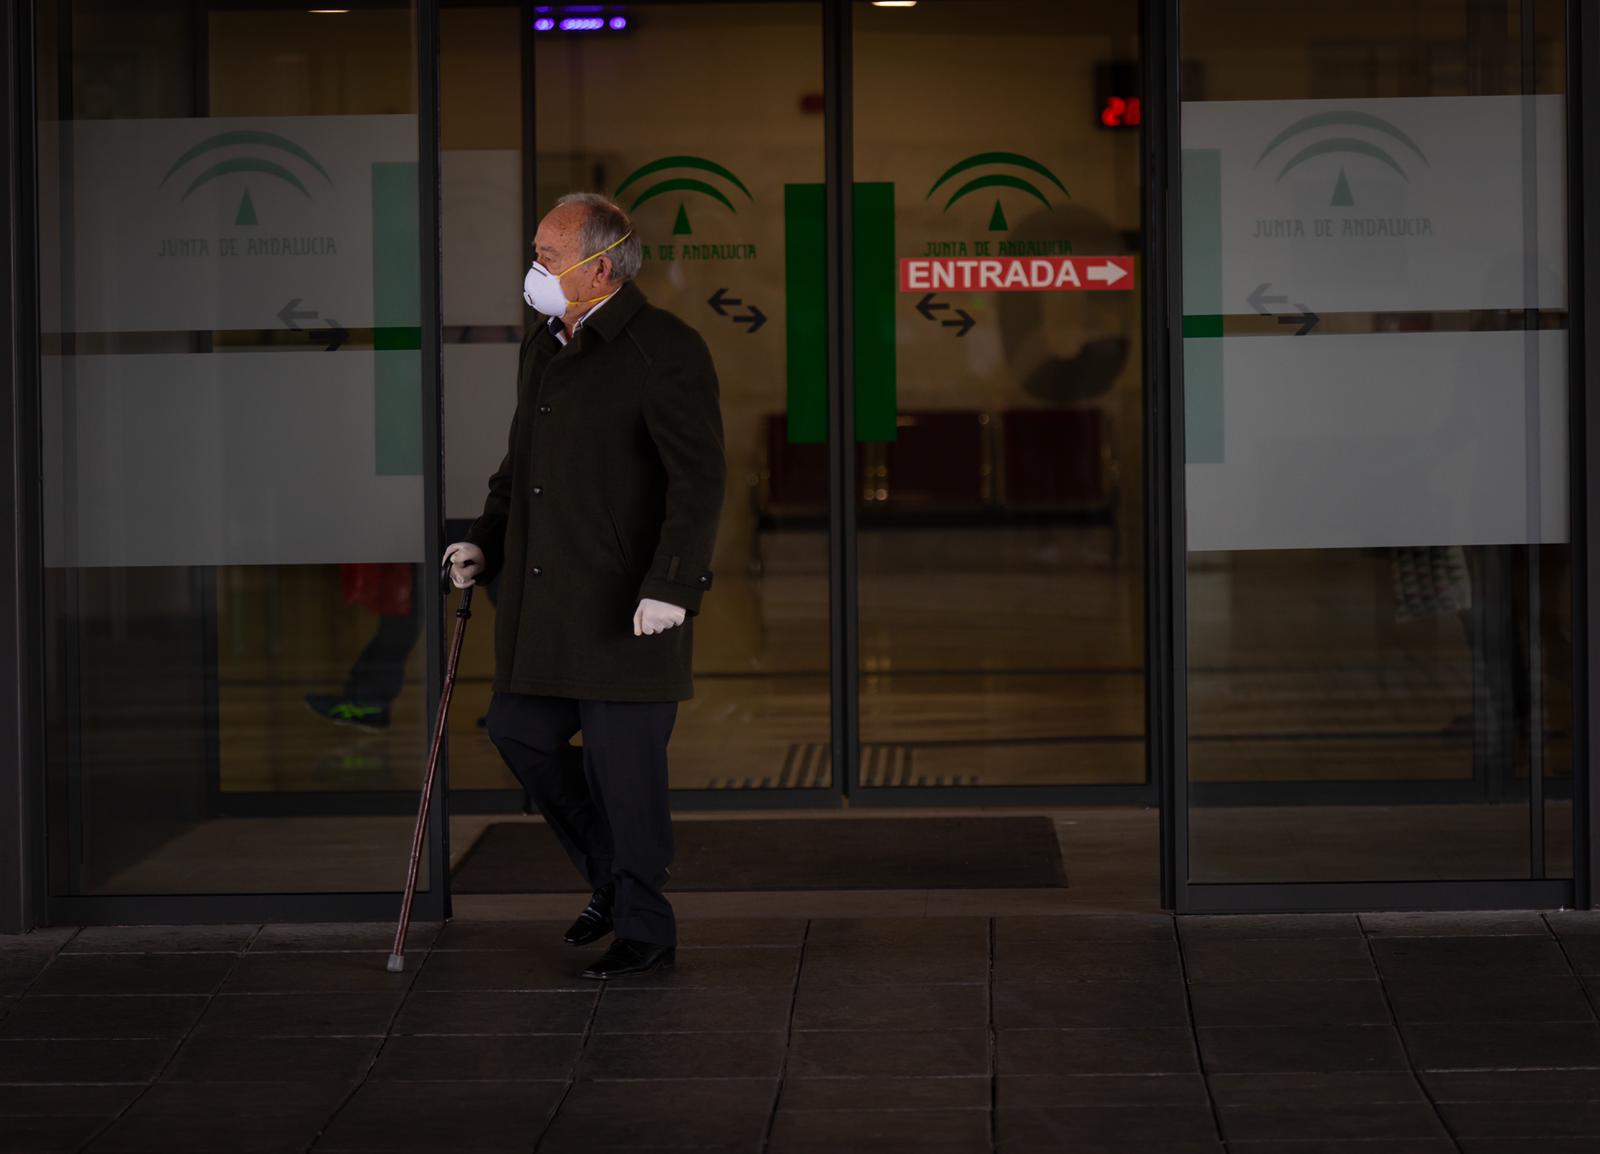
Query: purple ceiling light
579	18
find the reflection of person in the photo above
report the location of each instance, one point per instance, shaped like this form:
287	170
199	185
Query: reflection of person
1033	325
600	522
391	590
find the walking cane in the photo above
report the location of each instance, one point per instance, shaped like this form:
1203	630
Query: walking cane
397	960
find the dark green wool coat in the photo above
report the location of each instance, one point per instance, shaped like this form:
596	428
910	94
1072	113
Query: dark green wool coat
610	492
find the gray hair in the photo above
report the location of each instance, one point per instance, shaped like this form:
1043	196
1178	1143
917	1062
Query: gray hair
603	226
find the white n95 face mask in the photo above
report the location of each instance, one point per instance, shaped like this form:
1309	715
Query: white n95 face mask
541	288
542	291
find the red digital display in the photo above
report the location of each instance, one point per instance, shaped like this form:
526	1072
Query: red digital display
1119	112
1116	89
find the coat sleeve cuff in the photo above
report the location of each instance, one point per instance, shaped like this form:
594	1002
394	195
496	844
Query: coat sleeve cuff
685	596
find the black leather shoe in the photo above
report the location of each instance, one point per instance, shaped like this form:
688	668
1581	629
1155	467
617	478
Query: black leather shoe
626	958
595	921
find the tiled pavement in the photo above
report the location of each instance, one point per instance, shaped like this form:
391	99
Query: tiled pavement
1120	1034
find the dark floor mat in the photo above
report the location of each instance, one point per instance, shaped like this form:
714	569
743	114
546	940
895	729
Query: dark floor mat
795	854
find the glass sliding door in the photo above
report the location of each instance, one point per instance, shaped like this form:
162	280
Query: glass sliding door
234	453
999	397
1375	473
709	131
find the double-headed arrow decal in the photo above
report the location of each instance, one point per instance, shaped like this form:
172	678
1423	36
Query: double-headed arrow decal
331	338
929	304
721	302
1305	318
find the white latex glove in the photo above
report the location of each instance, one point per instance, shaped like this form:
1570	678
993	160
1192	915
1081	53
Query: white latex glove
466	561
656	617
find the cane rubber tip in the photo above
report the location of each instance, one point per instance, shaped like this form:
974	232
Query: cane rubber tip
396	963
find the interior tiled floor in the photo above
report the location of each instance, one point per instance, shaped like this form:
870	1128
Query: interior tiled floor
1104	1034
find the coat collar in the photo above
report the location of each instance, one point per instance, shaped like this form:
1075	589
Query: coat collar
620	309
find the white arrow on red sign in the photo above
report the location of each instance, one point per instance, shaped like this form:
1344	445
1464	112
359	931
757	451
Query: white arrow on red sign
1016	274
1108	274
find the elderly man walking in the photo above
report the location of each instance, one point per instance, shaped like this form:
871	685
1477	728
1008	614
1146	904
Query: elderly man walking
600	522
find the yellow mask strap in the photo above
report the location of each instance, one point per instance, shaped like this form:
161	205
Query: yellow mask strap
587	259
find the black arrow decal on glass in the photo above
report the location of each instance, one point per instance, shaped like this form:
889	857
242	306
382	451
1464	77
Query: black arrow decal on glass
755	319
930	304
963	325
1306	319
335	335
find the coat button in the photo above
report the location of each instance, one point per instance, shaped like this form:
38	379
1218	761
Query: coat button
544	408
538	491
703	580
538	572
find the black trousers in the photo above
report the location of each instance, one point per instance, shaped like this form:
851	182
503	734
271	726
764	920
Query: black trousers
607	802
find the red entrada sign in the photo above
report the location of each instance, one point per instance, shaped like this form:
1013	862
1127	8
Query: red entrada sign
1015	273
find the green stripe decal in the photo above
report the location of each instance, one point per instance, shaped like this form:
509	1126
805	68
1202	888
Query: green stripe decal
398	337
806	311
396	320
876	285
1202	306
876	291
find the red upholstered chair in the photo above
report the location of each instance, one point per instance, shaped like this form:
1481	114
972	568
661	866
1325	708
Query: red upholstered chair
940	463
1055	459
1058	465
794	483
